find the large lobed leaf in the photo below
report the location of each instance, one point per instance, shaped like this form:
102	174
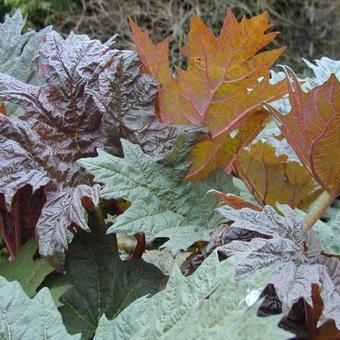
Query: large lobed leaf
92	95
296	251
207	304
101	282
24	318
222	88
312	127
163	203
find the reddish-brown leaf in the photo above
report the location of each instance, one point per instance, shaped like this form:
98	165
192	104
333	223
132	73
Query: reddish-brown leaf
313	129
273	178
220	89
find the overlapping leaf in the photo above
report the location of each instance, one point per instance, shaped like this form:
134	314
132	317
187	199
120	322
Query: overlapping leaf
163	203
28	272
296	250
328	234
322	69
92	95
23	318
313	128
19	51
101	282
222	87
273	178
208	304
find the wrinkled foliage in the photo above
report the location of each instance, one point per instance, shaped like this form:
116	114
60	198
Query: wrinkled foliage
163	203
93	95
298	252
95	152
211	304
222	88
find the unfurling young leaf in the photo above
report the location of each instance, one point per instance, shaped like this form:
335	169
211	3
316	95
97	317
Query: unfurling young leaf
223	87
163	204
208	304
298	253
312	127
24	318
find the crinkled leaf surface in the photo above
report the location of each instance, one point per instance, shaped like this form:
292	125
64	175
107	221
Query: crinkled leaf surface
312	128
102	282
24	318
28	272
208	304
273	178
161	198
296	250
222	85
93	94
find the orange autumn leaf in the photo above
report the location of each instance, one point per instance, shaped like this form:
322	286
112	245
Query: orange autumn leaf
220	152
313	129
234	201
224	85
273	178
3	109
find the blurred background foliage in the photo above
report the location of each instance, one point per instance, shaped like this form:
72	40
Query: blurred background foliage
310	28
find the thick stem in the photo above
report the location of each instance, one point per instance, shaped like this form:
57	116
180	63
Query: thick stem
318	208
98	213
140	247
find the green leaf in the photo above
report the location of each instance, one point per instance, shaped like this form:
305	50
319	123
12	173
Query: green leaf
18	51
163	203
328	234
101	282
26	319
207	304
322	70
28	272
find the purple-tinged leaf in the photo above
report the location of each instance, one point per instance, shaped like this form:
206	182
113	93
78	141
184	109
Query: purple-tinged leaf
297	251
92	96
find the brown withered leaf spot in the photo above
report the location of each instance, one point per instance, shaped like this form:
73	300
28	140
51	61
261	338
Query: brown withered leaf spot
313	129
224	85
93	95
273	178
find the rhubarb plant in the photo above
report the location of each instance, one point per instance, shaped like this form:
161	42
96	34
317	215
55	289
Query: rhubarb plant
226	170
